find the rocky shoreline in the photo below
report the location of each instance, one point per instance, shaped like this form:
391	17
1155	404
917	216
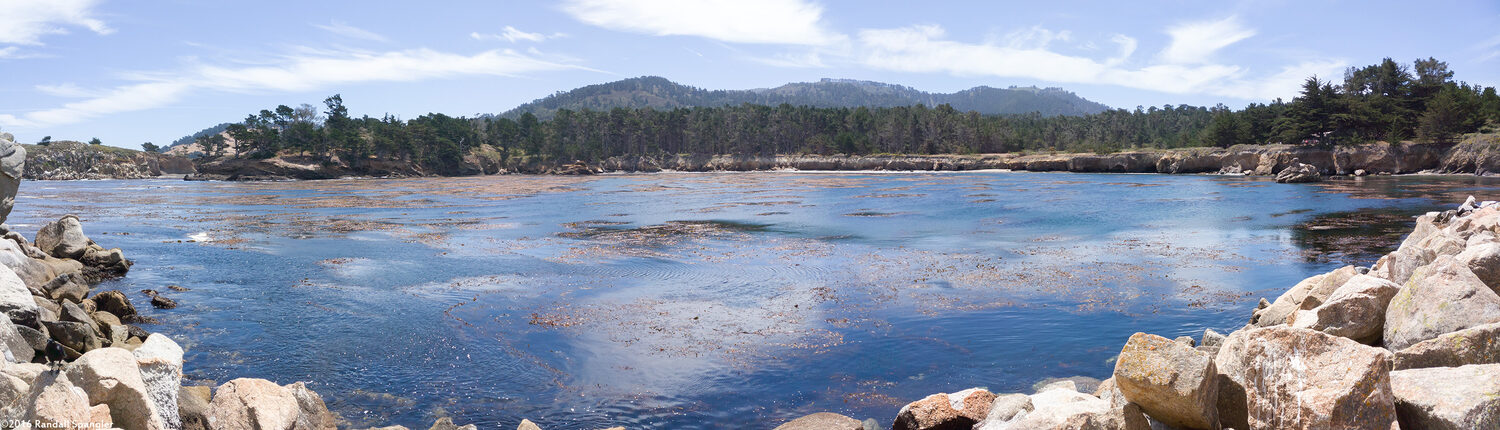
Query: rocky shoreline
1477	154
1412	342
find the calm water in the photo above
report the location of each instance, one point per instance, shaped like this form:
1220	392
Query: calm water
710	300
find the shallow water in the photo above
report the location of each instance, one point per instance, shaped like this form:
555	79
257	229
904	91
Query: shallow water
679	300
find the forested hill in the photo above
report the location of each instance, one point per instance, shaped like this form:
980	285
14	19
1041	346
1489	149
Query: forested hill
659	93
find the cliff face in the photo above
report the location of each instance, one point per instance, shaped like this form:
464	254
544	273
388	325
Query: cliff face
73	160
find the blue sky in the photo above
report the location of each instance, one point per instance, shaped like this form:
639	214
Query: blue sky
137	71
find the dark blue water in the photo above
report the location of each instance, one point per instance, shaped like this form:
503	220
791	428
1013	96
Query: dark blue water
709	300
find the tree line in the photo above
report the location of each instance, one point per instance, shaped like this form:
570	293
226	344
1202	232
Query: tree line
1386	101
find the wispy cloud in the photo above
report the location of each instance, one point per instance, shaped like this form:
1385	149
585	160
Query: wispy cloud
784	22
302	72
1183	69
344	29
513	35
1195	42
26	21
67	89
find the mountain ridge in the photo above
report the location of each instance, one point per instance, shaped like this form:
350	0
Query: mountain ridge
661	93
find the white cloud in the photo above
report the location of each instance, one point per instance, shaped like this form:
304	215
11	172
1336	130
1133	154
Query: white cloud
302	72
924	49
1195	42
26	21
513	35
784	22
344	29
68	89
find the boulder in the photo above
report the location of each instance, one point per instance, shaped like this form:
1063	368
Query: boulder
1318	288
106	319
1466	397
16	300
1212	338
1399	265
160	362
99	415
12	165
1061	409
959	410
192	407
75	335
73	313
35	338
1484	260
15	346
1082	384
1356	310
1171	382
14	255
1442	297
1474	345
54	403
163	302
67	287
446	423
1299	173
253	404
25	371
115	302
823	421
1299	378
111	376
63	238
1004	409
314	413
12	388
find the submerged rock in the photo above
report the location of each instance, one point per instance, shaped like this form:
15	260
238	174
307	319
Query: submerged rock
1455	398
823	421
1171	382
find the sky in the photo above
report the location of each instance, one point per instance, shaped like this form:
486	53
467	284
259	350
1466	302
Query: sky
138	71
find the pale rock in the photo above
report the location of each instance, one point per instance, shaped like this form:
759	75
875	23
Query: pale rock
15	299
1356	310
160	362
111	376
1296	378
15	346
1483	260
1474	345
1171	382
63	238
1440	298
253	404
1442	398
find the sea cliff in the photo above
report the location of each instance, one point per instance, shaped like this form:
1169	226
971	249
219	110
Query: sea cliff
65	160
